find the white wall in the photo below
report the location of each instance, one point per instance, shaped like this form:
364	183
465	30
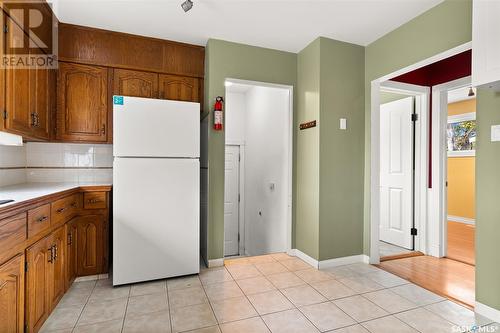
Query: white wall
235	117
259	120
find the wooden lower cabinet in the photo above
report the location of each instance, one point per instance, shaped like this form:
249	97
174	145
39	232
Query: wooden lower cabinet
71	252
12	295
90	244
39	259
57	270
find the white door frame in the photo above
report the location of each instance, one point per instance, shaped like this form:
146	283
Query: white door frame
438	208
289	155
375	148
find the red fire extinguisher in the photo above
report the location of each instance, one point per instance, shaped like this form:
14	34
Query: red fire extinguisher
218	115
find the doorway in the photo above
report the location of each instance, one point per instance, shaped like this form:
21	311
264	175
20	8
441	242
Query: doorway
258	168
433	269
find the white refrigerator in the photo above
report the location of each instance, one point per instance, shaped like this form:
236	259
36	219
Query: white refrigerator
156	149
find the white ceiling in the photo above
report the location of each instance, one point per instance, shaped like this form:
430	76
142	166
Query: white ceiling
287	25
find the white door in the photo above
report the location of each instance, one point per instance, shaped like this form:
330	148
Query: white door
156	216
231	201
396	156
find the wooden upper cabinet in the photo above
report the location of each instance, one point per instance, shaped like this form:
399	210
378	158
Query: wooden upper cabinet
12	295
82	103
179	88
135	83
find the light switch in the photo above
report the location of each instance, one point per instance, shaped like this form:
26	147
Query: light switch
343	123
495	133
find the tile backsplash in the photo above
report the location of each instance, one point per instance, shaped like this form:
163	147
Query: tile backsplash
12	165
56	162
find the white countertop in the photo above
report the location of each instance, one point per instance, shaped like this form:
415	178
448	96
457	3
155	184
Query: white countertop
29	191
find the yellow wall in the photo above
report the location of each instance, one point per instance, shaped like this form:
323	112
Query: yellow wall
461	185
461	172
462	107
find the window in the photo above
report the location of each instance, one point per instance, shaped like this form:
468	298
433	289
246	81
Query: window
461	134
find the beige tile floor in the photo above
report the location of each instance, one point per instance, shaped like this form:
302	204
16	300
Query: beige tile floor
272	293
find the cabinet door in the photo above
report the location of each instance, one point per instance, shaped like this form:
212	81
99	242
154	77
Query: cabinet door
57	273
82	107
41	104
12	295
39	259
71	252
2	78
90	244
135	83
179	88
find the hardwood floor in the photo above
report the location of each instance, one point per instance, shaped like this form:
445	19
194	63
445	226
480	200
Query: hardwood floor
443	276
461	242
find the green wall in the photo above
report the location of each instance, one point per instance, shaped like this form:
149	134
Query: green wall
308	100
386	97
441	28
231	60
487	201
341	151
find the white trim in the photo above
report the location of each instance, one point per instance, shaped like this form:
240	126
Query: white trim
461	153
360	258
310	260
215	262
421	94
461	219
438	228
375	147
241	207
289	152
457	118
487	311
235	143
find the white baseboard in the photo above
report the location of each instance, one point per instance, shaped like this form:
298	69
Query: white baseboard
215	262
330	262
461	219
363	258
310	260
487	311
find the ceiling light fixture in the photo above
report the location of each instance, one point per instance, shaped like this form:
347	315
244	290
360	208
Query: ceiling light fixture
471	92
187	5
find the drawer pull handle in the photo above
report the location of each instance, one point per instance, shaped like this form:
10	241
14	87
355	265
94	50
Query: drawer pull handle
51	257
93	201
73	204
42	219
60	210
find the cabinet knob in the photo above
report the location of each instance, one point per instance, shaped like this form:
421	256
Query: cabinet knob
43	218
60	210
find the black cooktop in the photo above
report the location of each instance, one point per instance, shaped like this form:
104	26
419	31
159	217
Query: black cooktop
5	201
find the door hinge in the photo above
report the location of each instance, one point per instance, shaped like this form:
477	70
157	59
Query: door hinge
4	114
25	266
239	157
238	237
239	197
414	117
413	231
5	28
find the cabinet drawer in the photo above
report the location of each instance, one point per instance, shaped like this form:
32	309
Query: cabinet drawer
12	234
38	220
94	200
63	209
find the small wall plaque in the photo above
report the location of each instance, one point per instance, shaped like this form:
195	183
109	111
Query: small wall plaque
307	125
